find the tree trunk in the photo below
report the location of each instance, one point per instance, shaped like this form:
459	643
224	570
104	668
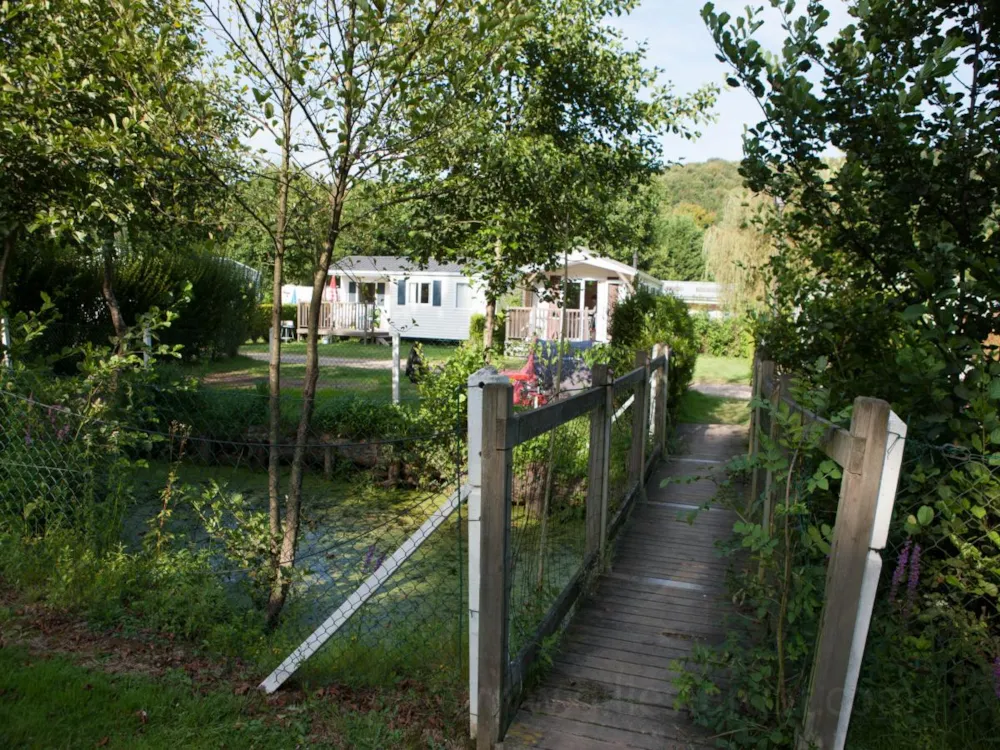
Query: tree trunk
293	503
8	254
491	318
108	291
274	357
491	303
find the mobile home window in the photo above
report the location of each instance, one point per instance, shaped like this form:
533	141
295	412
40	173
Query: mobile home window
463	295
420	292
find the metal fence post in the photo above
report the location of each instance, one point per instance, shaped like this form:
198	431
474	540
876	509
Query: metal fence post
847	605
395	367
482	383
600	463
640	423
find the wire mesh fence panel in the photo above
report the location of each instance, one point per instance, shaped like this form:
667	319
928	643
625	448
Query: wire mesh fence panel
548	525
621	478
186	476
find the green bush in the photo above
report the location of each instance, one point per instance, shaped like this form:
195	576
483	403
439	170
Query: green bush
477	329
645	319
260	324
215	298
359	418
723	337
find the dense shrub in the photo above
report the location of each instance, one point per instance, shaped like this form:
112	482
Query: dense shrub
359	418
723	337
260	324
477	329
645	319
215	298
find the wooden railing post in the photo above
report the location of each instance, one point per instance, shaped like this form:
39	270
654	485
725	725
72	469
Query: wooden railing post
660	398
640	423
600	462
846	573
494	561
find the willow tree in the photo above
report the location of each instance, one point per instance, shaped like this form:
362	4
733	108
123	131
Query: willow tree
738	250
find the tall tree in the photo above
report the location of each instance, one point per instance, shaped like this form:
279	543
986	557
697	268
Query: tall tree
738	250
889	267
570	136
102	146
380	84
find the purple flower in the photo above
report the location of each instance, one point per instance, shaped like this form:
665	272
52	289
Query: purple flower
63	432
27	436
366	568
381	559
897	575
911	584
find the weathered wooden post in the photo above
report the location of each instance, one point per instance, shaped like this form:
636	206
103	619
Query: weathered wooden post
395	367
600	462
488	533
660	398
867	491
640	423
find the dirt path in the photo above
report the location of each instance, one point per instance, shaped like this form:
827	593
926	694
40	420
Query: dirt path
300	359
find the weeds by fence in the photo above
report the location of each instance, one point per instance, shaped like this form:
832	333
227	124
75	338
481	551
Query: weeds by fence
139	503
927	671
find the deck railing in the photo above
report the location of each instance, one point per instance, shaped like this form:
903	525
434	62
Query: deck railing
547	322
340	316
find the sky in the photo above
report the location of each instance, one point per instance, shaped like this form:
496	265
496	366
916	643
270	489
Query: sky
680	44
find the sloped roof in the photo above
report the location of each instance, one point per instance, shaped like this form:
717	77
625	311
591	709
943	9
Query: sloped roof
390	264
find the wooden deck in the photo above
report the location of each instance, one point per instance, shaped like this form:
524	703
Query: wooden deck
611	684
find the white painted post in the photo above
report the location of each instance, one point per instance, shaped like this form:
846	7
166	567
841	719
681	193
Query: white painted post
395	367
873	568
5	337
474	404
147	345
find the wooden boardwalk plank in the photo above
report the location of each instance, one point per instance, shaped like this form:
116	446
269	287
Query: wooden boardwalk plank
611	684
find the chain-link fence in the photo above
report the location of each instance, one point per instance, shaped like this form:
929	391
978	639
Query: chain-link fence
184	483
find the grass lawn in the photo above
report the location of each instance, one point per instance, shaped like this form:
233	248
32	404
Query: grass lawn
49	701
699	408
354	349
243	372
722	370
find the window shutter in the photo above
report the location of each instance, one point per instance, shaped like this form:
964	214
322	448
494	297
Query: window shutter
401	292
436	294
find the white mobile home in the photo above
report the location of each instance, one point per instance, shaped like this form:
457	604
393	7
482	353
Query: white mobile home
595	284
382	294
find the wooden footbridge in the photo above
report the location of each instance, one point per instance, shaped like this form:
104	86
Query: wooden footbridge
611	683
647	588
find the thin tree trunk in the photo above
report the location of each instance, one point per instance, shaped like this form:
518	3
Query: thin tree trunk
491	304
8	254
293	502
550	468
274	365
108	291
